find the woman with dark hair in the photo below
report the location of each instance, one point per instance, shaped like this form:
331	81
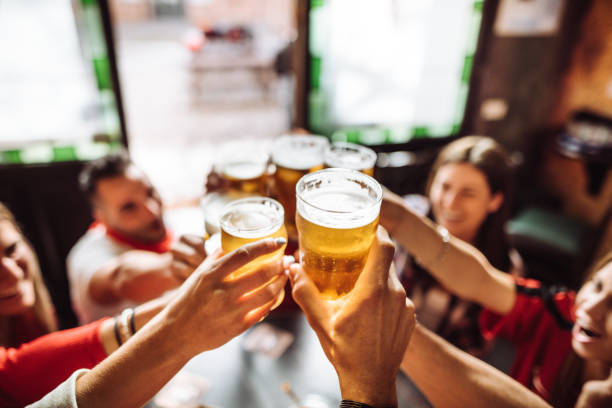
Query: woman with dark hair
563	340
469	187
469	209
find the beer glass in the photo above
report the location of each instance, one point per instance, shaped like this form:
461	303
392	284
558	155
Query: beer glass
294	156
337	216
350	156
248	220
243	165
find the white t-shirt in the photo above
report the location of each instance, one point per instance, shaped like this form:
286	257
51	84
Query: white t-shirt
64	396
91	252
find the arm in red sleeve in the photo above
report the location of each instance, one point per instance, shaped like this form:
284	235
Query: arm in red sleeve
29	372
533	303
512	325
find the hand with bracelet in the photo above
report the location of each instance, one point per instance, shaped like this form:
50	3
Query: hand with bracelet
364	334
208	310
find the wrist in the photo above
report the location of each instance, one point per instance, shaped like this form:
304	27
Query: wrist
376	393
171	331
356	404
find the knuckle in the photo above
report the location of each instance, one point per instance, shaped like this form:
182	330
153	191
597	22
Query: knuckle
387	249
174	250
271	292
219	291
266	245
191	239
410	309
298	288
399	297
242	252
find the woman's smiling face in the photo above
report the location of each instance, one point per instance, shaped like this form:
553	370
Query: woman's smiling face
462	199
16	261
592	332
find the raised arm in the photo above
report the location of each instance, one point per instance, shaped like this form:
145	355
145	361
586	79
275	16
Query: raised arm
134	373
141	275
364	334
460	267
134	275
29	372
450	377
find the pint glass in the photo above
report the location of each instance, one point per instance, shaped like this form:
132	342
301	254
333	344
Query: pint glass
350	156
248	220
337	216
244	167
295	156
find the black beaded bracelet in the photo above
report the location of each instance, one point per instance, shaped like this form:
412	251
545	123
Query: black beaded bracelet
132	324
355	404
117	336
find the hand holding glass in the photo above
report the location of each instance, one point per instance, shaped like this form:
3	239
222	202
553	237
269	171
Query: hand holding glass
252	219
337	216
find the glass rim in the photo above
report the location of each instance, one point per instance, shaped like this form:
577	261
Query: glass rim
283	141
330	153
243	150
371	181
253	200
255	157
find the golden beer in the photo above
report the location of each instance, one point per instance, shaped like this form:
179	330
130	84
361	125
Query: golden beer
243	165
295	156
249	220
245	176
337	216
350	156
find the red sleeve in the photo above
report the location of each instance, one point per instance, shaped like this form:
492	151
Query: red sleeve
29	372
529	309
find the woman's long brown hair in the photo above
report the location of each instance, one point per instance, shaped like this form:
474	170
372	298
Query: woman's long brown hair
43	309
493	161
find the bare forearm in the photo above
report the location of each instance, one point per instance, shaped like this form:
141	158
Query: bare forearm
450	377
141	276
135	275
461	268
136	372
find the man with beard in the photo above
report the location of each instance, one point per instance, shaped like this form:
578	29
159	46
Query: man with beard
127	256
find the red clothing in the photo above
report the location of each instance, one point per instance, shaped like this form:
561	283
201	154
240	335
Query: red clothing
31	371
539	325
160	247
25	327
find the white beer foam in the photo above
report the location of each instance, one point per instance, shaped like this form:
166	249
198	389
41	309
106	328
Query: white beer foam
244	170
251	221
298	160
349	156
300	152
339	209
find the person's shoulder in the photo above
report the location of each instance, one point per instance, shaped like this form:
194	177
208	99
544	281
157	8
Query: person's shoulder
92	238
94	243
